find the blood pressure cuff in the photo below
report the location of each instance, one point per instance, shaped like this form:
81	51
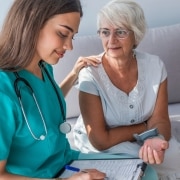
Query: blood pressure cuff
140	138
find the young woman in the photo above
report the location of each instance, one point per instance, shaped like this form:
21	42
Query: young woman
35	35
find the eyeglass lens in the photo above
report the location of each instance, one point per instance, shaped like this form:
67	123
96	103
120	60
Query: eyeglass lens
119	33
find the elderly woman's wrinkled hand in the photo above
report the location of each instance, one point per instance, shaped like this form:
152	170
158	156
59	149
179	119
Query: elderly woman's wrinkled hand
153	150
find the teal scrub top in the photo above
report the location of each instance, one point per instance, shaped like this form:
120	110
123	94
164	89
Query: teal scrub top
25	155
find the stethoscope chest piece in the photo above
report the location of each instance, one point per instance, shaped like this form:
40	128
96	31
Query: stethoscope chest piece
65	127
42	137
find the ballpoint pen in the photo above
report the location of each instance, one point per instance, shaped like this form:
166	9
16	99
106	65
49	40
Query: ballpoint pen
75	169
71	168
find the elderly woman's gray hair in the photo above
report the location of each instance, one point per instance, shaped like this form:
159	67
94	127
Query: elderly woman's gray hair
124	13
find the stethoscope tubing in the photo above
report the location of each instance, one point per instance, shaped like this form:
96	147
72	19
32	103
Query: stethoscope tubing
18	93
64	127
55	88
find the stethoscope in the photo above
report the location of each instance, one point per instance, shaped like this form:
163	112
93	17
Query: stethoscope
64	127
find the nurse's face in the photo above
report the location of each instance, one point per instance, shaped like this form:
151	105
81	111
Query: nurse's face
56	37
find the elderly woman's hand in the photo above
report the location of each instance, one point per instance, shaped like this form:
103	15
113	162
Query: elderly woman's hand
153	150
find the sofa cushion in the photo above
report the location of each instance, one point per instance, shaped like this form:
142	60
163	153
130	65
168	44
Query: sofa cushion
82	46
165	42
174	114
162	41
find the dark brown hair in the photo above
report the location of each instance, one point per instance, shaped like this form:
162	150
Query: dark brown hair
21	29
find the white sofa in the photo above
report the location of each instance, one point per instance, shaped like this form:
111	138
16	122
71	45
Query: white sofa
162	41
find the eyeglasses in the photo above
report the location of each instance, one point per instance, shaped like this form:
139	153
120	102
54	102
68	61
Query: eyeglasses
119	33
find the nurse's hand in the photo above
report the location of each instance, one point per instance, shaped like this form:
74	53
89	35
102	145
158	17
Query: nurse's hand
85	61
89	174
153	150
71	78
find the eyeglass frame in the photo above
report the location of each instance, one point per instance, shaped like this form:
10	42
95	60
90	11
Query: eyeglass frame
126	31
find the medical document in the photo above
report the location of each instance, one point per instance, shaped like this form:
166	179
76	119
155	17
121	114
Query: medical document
115	169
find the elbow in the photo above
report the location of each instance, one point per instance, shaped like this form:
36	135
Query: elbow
100	144
100	147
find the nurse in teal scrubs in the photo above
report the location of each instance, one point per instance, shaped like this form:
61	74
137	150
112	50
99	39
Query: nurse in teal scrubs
33	144
35	35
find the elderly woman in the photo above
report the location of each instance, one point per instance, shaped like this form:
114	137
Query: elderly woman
126	95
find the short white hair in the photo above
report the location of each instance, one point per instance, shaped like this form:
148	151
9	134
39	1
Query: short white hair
125	13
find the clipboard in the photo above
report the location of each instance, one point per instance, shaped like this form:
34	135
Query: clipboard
115	169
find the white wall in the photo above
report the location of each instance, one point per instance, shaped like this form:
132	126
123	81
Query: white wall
157	12
4	6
